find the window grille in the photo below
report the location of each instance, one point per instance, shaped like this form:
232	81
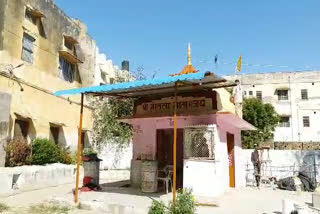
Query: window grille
304	94
283	95
27	48
199	144
284	122
306	121
250	93
259	95
67	69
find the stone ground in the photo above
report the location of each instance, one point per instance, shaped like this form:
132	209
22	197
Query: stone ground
115	199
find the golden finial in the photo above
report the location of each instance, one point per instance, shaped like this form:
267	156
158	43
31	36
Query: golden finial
189	54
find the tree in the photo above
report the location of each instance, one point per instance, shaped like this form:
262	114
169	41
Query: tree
263	117
107	128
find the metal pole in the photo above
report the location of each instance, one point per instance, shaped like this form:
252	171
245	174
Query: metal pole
76	197
175	146
315	170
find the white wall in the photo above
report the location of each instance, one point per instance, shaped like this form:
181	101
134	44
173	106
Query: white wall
26	178
285	163
114	157
295	107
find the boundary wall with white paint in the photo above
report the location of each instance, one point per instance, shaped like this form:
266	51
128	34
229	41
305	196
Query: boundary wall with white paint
26	178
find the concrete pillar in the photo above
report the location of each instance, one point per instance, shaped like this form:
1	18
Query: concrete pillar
5	102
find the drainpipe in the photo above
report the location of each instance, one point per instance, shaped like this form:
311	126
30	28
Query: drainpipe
291	96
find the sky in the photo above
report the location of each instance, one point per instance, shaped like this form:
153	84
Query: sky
273	35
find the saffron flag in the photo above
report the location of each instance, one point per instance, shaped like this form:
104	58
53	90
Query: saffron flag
239	63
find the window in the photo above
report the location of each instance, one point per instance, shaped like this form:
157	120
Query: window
69	71
304	94
306	121
54	134
30	17
282	94
111	80
259	95
245	93
21	128
250	93
27	48
284	121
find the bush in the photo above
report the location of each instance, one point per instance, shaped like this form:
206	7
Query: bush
185	203
157	208
65	156
18	153
45	151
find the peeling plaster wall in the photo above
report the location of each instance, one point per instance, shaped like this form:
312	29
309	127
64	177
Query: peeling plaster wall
37	101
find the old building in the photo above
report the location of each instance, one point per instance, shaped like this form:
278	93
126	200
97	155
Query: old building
295	96
42	50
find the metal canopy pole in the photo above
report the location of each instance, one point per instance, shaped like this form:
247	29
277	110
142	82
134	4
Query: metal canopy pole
175	146
76	197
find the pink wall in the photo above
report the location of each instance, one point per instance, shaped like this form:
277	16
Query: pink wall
144	139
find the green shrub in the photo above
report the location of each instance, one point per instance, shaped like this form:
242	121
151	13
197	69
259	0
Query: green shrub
44	151
65	156
157	207
18	153
185	203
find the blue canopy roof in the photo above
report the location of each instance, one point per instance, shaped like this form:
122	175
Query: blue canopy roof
143	85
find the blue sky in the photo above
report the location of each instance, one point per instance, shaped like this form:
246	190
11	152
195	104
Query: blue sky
273	35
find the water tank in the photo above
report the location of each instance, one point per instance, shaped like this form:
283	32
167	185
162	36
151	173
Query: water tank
125	65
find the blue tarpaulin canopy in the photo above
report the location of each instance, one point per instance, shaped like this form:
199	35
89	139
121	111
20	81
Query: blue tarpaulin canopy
188	82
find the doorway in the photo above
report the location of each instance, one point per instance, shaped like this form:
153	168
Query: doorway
230	145
165	151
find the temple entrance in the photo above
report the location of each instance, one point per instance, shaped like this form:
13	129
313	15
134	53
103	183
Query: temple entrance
230	144
165	151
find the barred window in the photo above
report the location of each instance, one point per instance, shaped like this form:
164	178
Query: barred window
283	94
250	93
198	144
306	121
27	48
259	95
284	121
30	17
68	70
304	94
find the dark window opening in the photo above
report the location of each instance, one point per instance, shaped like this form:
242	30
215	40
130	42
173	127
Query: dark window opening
250	93
27	48
68	44
306	121
111	80
54	131
21	128
284	122
283	94
259	95
304	94
30	17
245	92
69	71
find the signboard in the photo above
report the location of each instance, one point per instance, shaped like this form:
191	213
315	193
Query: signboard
185	105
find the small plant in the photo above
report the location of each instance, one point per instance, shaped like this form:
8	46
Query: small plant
18	153
157	207
89	151
44	151
185	203
3	207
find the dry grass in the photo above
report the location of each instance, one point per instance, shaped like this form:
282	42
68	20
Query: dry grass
3	207
49	208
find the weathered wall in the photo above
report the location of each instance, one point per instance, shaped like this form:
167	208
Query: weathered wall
44	108
294	107
26	178
5	102
42	77
115	157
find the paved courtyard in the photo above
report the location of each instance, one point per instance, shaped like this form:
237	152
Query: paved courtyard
115	198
